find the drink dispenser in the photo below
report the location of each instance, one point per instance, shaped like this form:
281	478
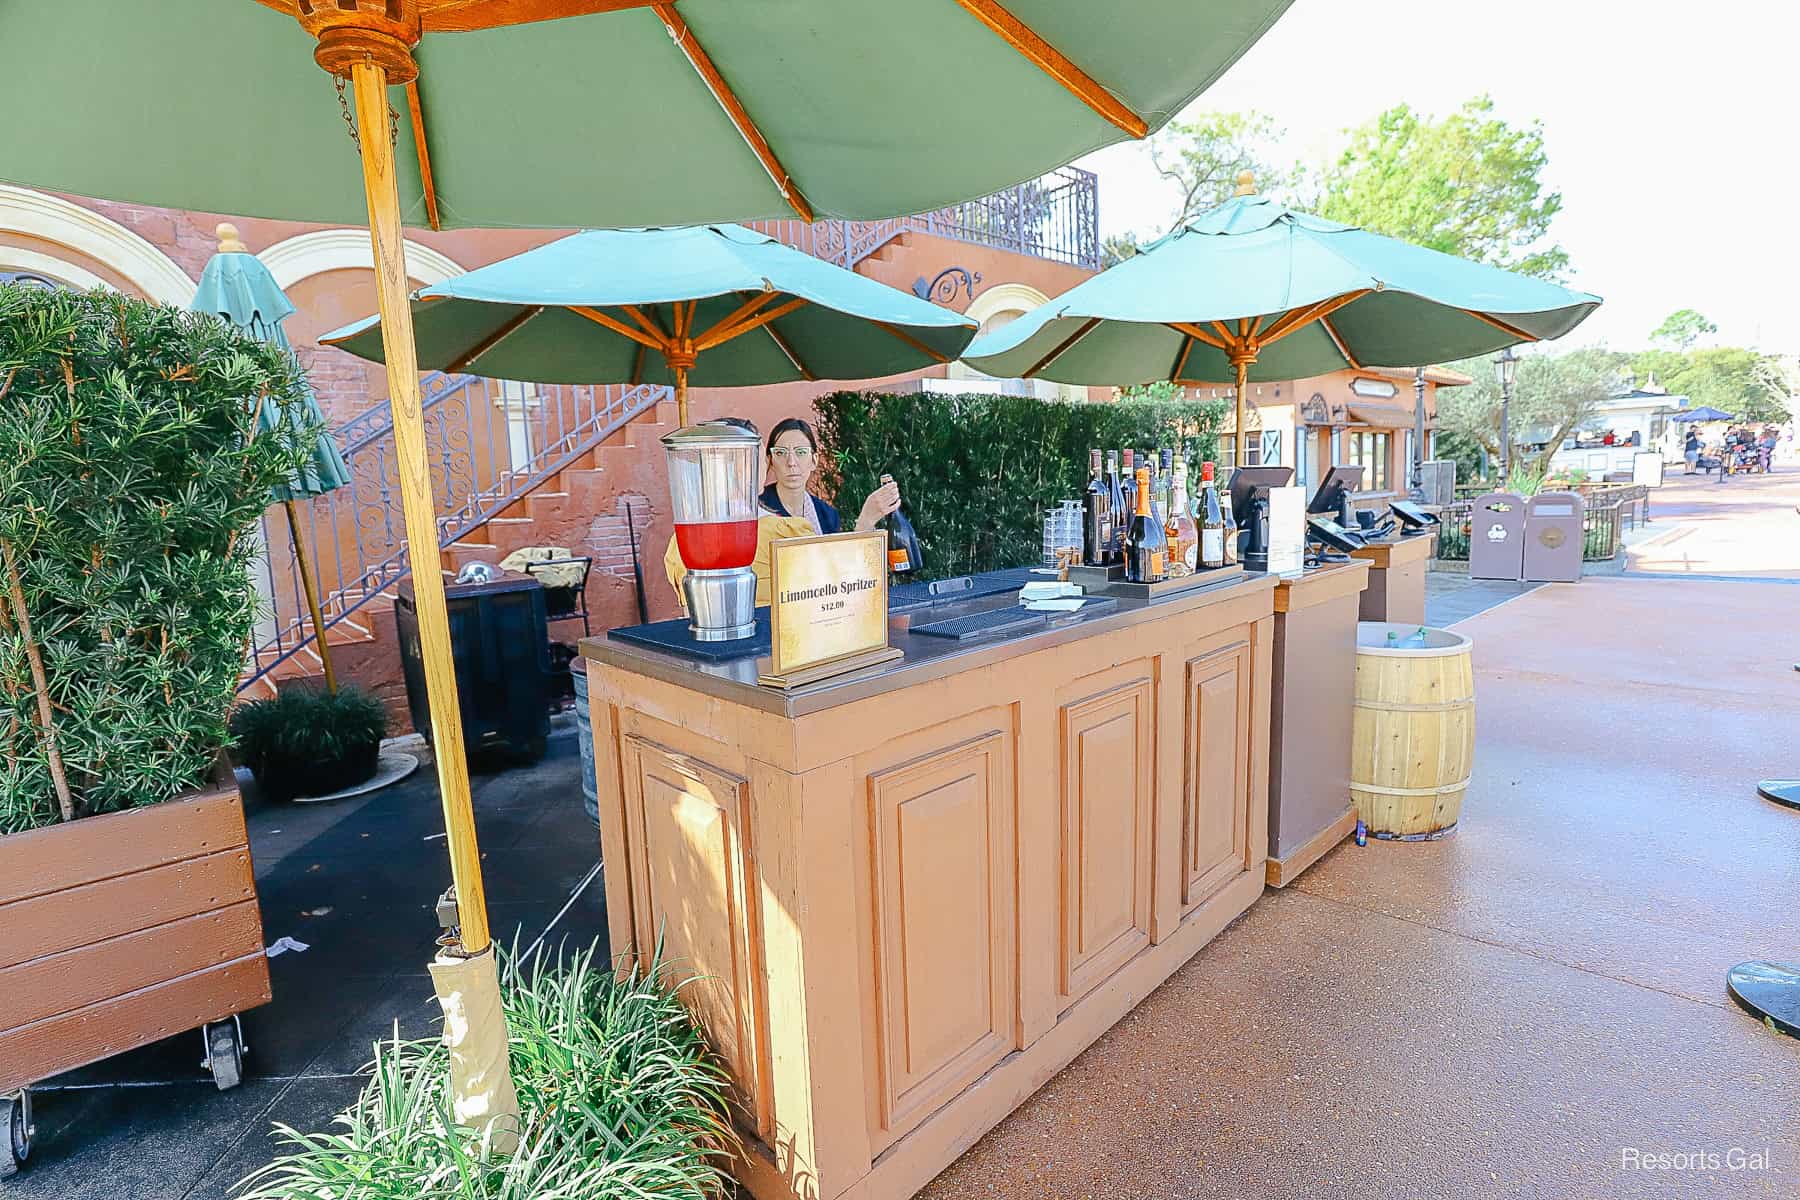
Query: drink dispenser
715	473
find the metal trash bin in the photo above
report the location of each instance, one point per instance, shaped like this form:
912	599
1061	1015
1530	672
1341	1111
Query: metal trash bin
1497	537
500	643
584	735
1553	537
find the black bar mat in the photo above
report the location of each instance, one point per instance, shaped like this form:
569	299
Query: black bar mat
988	583
676	638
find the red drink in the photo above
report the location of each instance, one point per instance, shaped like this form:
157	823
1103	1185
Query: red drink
717	545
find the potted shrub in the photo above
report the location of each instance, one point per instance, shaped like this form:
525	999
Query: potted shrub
131	469
306	742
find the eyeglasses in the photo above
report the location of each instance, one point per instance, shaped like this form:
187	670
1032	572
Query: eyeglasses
798	454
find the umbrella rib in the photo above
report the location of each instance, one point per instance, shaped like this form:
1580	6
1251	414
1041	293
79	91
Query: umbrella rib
782	345
715	335
1198	334
1339	342
715	83
637	366
910	340
1187	346
617	326
1040	364
1054	63
415	108
743	312
493	339
1502	326
1297	317
651	325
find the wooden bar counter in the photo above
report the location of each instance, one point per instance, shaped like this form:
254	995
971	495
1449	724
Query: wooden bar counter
1314	690
1396	590
913	894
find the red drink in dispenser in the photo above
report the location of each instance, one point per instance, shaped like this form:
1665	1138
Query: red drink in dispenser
717	545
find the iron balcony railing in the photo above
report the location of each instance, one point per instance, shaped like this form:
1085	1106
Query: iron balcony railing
491	442
1056	217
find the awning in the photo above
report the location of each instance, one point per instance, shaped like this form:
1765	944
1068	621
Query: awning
1384	416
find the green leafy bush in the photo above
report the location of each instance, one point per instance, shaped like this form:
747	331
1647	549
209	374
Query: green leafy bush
977	471
130	473
307	742
619	1099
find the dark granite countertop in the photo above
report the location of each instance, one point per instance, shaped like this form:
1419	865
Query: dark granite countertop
925	658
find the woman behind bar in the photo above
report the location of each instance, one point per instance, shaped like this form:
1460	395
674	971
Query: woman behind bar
793	454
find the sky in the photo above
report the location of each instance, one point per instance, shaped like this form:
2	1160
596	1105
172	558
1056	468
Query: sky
1672	131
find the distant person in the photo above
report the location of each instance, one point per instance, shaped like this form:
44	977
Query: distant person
1690	450
1767	446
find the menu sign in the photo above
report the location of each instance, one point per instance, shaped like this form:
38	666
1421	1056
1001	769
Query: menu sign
830	601
1287	530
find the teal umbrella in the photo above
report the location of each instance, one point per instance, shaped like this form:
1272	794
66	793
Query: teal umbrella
237	286
1255	291
715	305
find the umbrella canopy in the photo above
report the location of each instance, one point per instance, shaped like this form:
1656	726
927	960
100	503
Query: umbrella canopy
237	286
715	305
1254	291
599	112
1703	413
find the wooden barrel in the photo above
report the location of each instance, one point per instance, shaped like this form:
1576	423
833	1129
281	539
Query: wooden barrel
1414	730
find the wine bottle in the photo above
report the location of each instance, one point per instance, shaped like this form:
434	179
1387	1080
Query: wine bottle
1122	516
1211	521
1096	515
903	544
1147	562
1183	535
1231	529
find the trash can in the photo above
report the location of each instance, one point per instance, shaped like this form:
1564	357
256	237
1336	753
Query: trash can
1497	537
584	737
501	647
1553	537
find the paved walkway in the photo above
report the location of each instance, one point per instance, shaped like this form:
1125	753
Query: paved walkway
1509	1011
1746	526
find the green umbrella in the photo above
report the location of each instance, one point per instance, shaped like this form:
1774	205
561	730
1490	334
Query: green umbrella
719	305
237	286
573	113
1255	291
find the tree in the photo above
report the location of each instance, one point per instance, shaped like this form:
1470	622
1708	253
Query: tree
1682	328
1204	157
1469	185
1748	385
1118	247
1553	395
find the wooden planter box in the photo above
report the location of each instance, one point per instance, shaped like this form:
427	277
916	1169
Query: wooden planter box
119	930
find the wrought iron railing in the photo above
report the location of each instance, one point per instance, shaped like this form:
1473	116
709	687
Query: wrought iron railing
1056	217
490	442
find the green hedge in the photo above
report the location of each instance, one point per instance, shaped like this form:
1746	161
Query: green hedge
976	472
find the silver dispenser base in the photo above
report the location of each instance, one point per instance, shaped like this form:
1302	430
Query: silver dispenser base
721	604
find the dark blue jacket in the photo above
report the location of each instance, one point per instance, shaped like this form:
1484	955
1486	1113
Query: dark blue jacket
829	521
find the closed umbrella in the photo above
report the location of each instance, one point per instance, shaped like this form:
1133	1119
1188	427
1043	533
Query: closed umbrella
1254	291
718	304
237	286
570	113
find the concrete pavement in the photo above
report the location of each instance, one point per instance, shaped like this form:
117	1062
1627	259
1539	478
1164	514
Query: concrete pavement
1745	526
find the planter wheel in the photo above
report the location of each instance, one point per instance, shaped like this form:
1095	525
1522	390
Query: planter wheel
225	1052
15	1111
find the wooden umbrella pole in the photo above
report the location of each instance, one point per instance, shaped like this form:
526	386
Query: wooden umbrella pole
385	234
1243	382
681	396
311	587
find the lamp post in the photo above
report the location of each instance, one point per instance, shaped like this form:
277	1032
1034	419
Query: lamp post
1506	364
1417	491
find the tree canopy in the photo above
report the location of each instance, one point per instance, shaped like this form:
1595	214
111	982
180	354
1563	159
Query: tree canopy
1682	328
1469	184
1204	157
1749	385
1553	394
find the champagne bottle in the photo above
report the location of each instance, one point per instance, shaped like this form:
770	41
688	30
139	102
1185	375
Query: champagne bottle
1211	521
1096	515
1231	530
1122	516
903	544
1147	562
1183	535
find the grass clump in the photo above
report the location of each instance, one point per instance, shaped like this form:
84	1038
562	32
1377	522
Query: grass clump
619	1099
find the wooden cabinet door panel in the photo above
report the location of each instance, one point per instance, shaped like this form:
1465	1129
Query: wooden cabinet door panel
1108	744
942	892
691	863
1216	803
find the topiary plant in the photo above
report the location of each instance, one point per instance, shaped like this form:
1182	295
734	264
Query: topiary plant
306	742
130	473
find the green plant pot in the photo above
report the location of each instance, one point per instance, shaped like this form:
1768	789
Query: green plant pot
283	777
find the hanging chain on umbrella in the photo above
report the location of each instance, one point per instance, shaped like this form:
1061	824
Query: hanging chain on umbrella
350	121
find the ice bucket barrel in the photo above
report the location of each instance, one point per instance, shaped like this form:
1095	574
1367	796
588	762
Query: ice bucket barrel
1413	740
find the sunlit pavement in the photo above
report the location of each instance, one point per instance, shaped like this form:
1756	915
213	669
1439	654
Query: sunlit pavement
1745	526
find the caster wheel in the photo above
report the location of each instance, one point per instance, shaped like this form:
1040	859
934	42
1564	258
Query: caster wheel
15	1112
225	1053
